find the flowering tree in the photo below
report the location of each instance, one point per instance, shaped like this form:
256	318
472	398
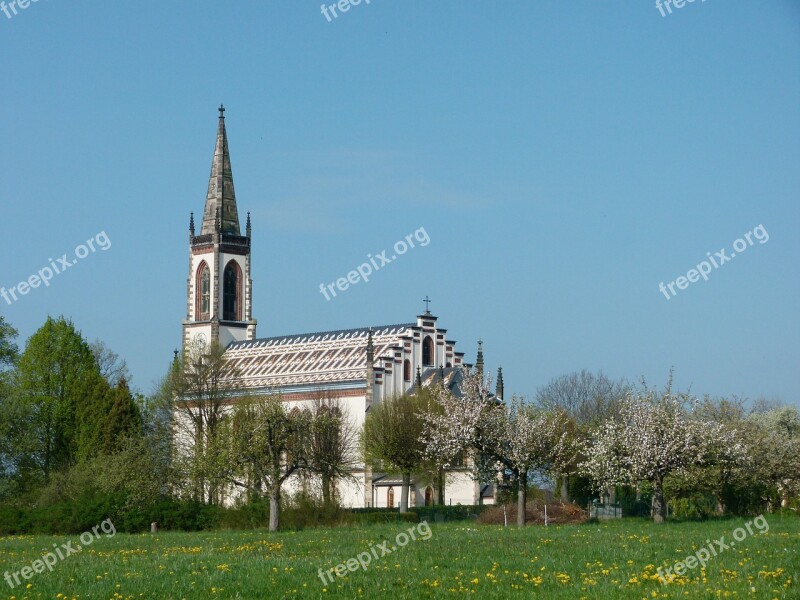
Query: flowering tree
526	439
655	436
515	436
774	442
458	424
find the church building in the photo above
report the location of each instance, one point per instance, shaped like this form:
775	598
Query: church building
357	367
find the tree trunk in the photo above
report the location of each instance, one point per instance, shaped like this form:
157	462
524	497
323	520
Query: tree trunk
565	488
326	489
522	497
720	507
440	488
658	501
404	492
274	509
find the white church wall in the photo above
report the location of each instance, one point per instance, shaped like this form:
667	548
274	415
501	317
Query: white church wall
460	488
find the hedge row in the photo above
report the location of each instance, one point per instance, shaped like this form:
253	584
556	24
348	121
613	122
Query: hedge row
77	516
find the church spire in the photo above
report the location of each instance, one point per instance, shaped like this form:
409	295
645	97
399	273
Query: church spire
499	389
479	361
370	349
221	197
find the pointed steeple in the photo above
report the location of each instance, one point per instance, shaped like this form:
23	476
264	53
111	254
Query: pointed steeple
370	393
370	349
499	389
221	197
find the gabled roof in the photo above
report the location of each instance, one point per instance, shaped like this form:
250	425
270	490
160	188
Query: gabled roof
431	376
453	378
313	359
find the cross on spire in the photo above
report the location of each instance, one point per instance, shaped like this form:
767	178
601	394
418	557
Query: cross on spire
427	302
221	111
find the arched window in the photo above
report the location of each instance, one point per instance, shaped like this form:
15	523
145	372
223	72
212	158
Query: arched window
390	497
448	366
427	352
231	293
202	307
406	370
428	496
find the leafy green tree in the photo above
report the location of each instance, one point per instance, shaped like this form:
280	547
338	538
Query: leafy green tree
393	436
8	349
124	419
8	357
62	398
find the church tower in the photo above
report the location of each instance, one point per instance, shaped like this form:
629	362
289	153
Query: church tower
219	297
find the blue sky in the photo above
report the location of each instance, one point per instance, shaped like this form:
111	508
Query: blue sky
564	158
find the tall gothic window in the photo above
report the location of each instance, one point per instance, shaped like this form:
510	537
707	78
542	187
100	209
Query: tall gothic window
427	351
390	497
231	293
203	293
407	370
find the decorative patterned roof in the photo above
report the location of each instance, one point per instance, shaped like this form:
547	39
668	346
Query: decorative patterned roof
313	359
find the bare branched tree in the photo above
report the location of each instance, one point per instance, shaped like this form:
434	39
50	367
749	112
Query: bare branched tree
588	399
334	444
111	366
269	445
202	387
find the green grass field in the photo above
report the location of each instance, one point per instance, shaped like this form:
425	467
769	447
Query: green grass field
614	560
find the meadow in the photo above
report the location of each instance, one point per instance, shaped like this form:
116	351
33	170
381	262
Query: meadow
616	559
